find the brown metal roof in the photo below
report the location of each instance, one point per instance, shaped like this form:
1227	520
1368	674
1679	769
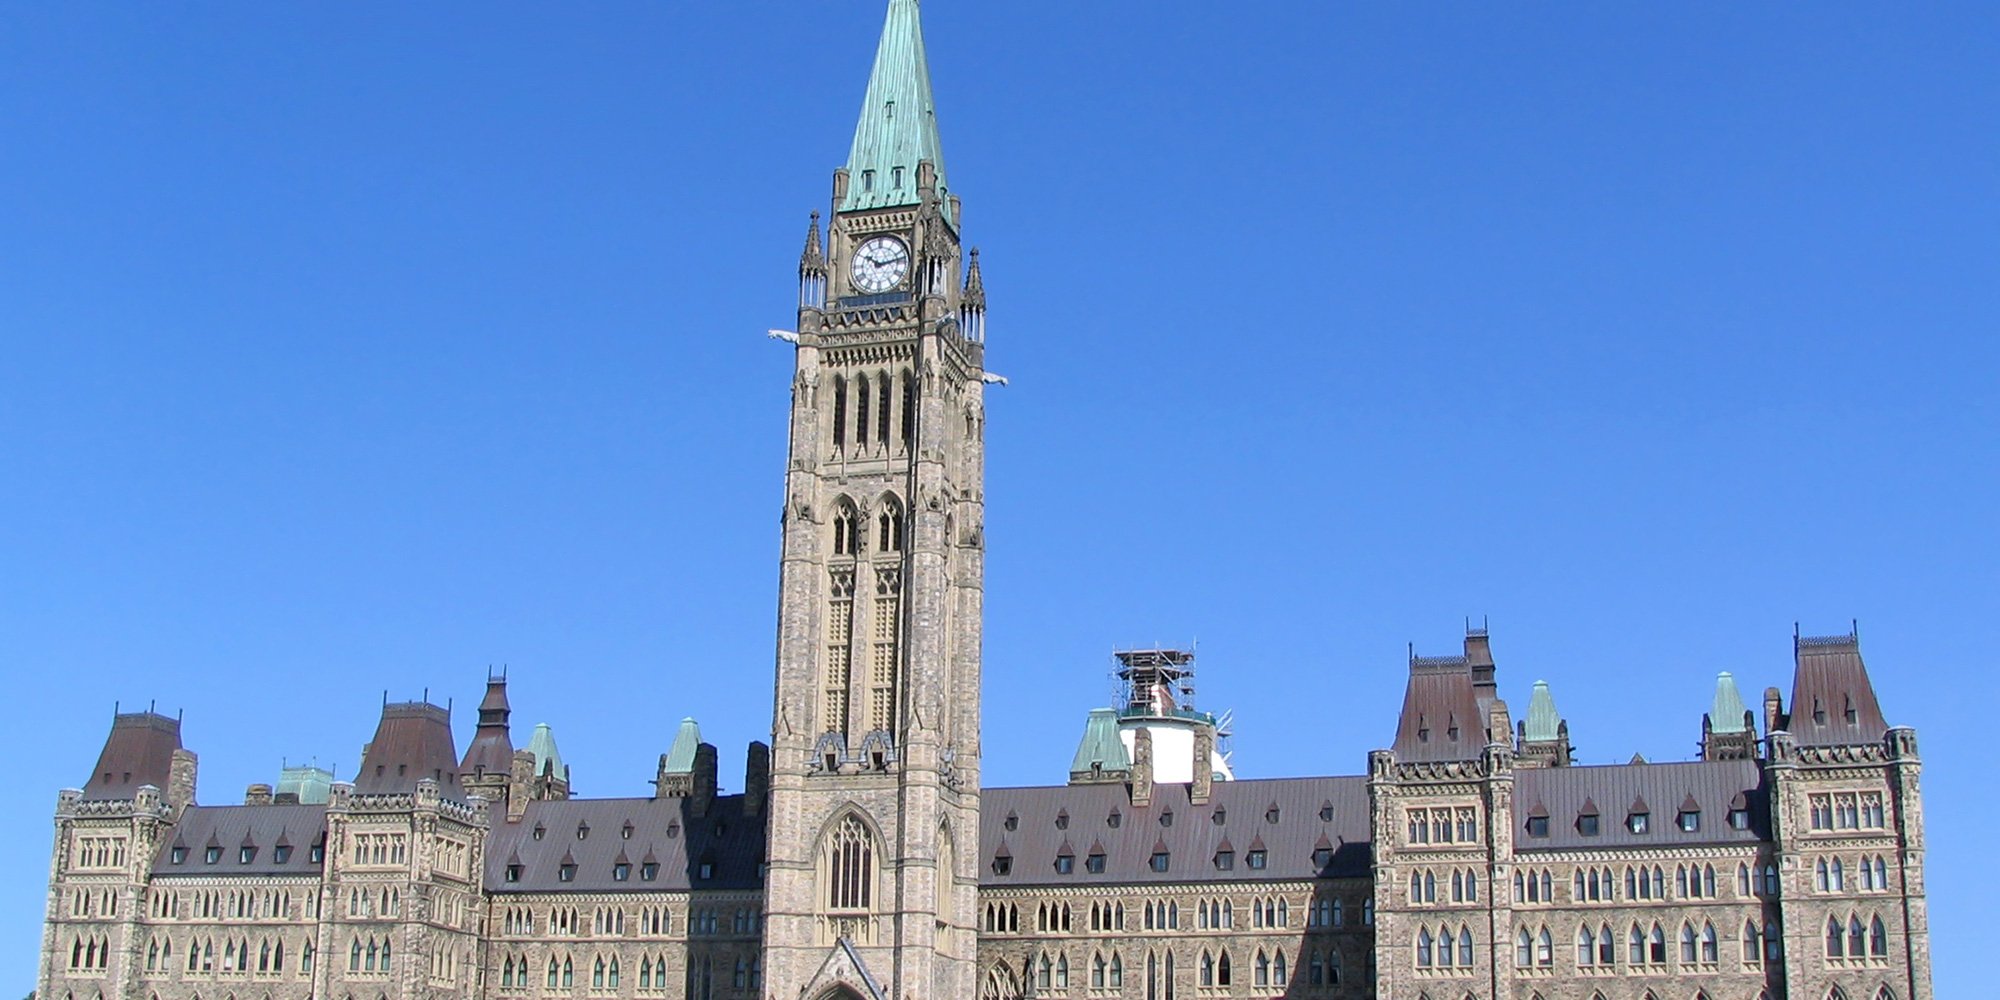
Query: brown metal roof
492	746
412	742
230	829
1441	717
1833	701
1570	792
139	751
1191	840
662	830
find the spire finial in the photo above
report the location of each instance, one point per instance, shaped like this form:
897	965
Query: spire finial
975	283
814	258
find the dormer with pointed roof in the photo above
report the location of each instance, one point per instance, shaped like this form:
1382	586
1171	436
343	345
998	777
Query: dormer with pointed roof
1728	728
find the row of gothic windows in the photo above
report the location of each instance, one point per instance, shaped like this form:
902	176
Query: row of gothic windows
861	411
848	528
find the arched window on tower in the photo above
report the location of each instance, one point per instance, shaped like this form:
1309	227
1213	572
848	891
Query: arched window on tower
889	526
848	866
839	412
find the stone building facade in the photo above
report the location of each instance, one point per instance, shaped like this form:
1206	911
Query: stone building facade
1472	859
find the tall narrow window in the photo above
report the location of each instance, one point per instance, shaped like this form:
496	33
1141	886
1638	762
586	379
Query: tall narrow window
909	409
839	412
839	650
882	650
861	422
850	866
882	398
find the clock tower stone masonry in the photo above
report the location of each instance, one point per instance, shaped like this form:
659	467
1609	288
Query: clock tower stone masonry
873	834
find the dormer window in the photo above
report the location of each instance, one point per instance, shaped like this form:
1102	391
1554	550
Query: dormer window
1167	818
1065	864
177	855
1852	716
1271	815
1739	819
1003	865
1012	822
513	873
625	832
1062	820
1819	713
1423	734
1219	816
1225	860
1326	812
1689	820
1322	857
244	855
539	831
621	872
1538	826
649	870
1255	859
1639	822
896	173
674	830
1451	733
1159	861
1094	864
317	854
867	181
281	853
212	855
566	873
705	870
1114	819
1588	825
582	831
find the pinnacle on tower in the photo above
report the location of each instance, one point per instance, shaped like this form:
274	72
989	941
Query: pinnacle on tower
1543	737
975	285
898	126
813	260
1728	714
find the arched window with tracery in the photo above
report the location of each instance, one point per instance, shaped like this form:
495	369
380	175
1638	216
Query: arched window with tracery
847	865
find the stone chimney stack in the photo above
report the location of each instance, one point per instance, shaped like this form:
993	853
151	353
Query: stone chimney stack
1774	711
180	781
1204	766
257	795
704	780
756	779
520	779
1142	767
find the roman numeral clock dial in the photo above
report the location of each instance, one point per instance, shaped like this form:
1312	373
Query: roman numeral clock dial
880	264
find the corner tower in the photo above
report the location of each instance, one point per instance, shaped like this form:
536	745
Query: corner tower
875	727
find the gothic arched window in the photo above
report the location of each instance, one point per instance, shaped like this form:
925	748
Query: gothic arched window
848	864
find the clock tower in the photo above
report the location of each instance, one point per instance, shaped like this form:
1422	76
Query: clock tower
872	879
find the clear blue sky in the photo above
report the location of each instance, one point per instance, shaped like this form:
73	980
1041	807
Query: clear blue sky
347	348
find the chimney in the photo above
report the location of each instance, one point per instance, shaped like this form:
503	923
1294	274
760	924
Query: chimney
257	795
1774	711
180	781
1142	767
704	780
1204	766
756	779
520	777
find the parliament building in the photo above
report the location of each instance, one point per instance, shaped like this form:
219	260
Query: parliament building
1470	859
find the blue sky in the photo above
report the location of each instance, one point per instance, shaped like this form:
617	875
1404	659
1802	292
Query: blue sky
350	348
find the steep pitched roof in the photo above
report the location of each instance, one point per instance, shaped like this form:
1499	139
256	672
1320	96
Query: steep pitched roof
663	831
1047	819
1100	749
1567	793
680	756
898	124
492	747
139	751
542	743
1727	712
261	829
412	742
1833	701
1441	717
1543	722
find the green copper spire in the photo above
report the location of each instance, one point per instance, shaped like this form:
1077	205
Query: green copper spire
1543	722
680	757
542	743
1726	715
898	126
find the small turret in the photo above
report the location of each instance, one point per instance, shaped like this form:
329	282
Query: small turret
812	269
1542	737
551	775
972	303
489	759
1101	756
677	765
1728	728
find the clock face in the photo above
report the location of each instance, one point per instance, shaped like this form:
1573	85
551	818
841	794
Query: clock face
880	264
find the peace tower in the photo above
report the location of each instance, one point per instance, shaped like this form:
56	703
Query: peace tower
875	726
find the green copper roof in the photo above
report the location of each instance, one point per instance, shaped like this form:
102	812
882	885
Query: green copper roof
548	760
680	757
1726	715
898	124
1543	722
311	784
1101	745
